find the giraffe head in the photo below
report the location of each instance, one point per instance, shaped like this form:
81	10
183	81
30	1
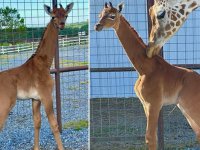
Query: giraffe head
109	16
167	17
59	15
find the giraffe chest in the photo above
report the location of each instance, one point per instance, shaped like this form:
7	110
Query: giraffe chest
31	93
172	97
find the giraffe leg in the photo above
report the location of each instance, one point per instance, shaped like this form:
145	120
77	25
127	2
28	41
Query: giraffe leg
48	105
191	121
37	122
152	114
5	108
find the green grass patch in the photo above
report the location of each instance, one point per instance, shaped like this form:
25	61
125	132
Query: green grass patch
84	82
7	56
4	44
73	88
76	125
70	63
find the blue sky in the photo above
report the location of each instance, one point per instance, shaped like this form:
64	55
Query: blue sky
35	16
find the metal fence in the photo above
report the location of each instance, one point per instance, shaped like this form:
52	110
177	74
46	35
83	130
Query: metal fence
116	115
70	70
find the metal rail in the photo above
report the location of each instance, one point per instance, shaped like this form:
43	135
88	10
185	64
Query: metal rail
69	69
128	69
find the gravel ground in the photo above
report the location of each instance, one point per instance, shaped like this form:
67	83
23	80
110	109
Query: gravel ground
119	123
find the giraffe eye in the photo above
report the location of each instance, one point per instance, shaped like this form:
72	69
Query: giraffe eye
112	16
161	14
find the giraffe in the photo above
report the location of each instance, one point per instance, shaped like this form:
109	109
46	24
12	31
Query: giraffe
32	80
167	16
159	83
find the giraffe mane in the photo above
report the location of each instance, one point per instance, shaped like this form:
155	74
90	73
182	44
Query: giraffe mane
32	56
38	47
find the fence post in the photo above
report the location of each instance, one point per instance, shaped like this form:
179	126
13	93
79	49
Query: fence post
2	49
63	41
79	39
18	48
160	120
57	82
32	46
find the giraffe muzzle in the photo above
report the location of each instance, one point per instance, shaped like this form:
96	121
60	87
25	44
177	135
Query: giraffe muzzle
62	25
98	27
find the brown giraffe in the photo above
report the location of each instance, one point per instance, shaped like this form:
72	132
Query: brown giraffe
167	16
32	80
159	83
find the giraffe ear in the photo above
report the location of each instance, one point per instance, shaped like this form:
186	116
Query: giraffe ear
47	9
69	7
120	6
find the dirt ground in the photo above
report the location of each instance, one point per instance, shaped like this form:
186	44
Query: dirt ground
119	124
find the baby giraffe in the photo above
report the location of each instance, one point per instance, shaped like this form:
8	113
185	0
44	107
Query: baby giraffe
32	80
158	83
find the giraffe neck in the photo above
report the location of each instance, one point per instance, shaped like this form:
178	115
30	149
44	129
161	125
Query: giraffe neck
133	45
48	44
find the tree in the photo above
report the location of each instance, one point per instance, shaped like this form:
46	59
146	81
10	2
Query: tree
11	19
12	26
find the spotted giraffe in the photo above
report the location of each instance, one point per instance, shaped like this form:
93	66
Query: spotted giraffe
167	16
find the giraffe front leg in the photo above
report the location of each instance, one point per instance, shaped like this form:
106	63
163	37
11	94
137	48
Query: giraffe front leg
6	104
152	114
37	122
48	105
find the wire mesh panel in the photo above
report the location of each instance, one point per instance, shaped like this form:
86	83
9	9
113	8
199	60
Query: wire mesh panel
18	41
117	116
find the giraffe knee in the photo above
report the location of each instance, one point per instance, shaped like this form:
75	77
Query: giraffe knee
198	136
38	123
54	127
1	126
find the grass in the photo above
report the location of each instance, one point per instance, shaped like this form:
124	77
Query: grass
76	125
7	56
69	63
73	88
84	82
4	44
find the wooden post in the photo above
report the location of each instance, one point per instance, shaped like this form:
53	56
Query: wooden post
160	120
